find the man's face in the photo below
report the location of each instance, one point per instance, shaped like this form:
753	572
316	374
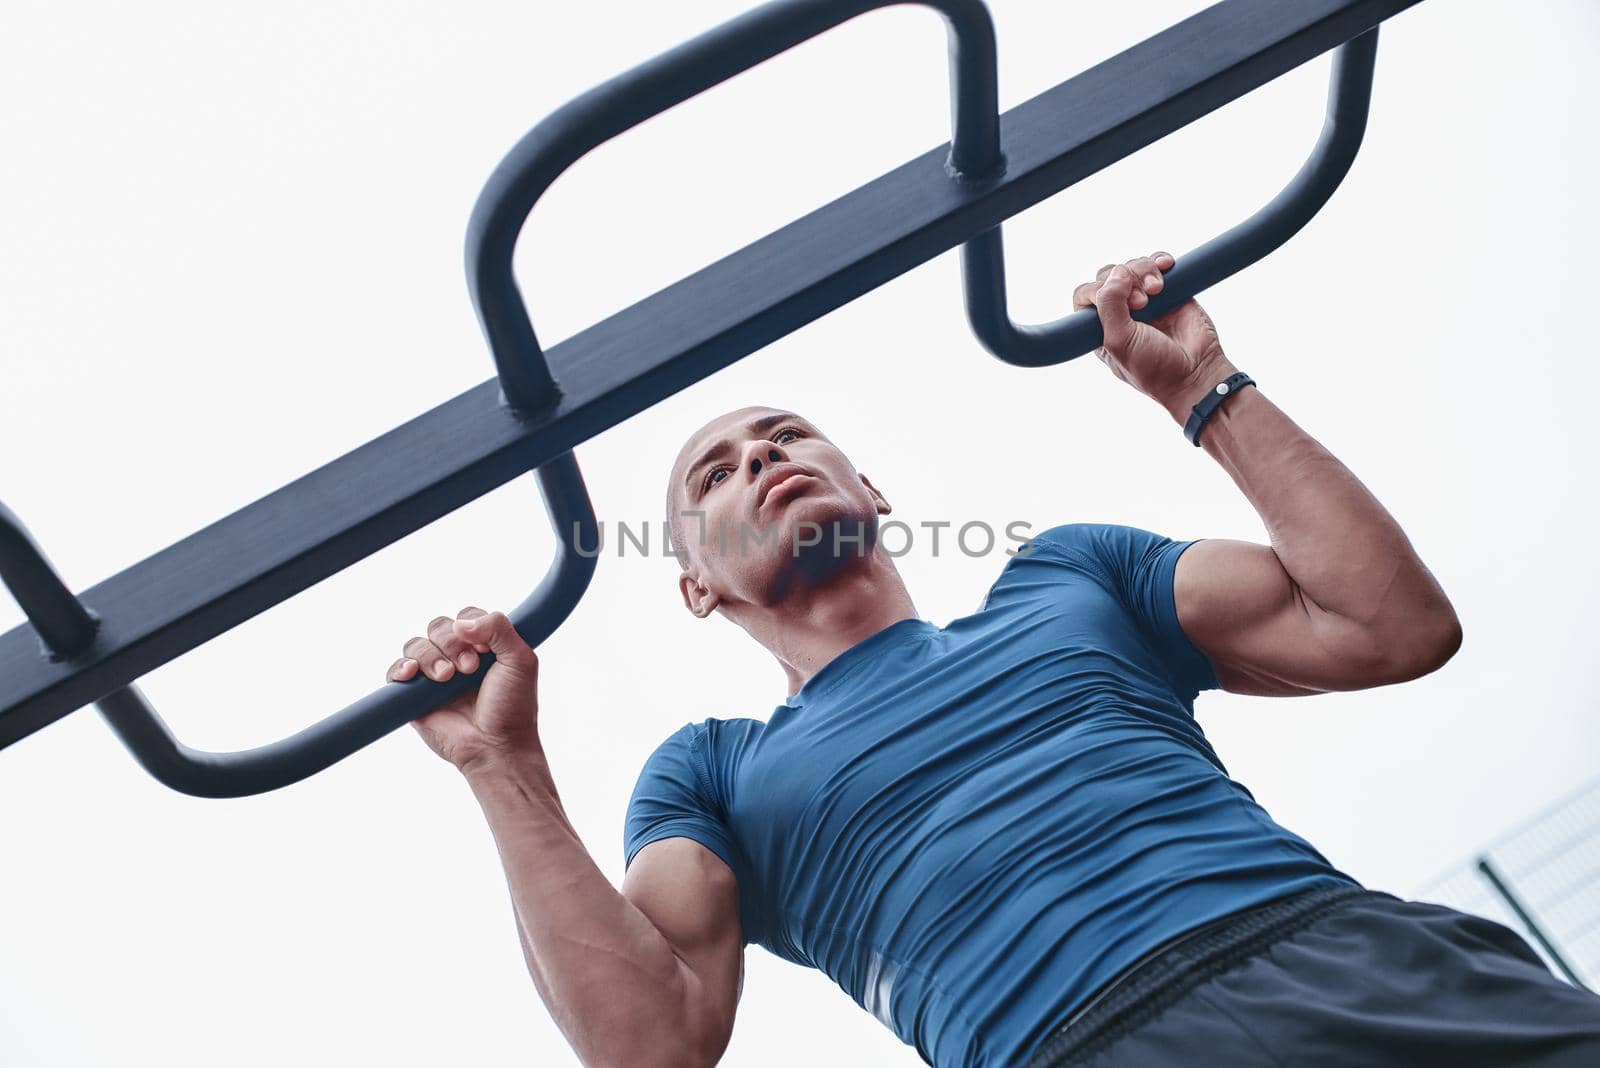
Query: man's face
761	497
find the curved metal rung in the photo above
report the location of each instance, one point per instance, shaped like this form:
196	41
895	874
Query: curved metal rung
255	771
983	258
58	615
629	99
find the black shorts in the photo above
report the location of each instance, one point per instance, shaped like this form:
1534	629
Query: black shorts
1340	977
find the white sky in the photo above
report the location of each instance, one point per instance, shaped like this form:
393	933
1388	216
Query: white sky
230	248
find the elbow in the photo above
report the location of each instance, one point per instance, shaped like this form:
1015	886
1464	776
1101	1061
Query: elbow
676	1032
1424	647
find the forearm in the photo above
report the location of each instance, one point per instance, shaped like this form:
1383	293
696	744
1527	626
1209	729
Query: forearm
1339	545
614	985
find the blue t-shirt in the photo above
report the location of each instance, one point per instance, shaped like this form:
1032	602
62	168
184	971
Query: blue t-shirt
971	828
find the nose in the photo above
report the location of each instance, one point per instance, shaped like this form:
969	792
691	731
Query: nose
758	452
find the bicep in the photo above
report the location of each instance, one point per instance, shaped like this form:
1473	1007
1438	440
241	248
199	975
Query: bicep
1240	606
692	897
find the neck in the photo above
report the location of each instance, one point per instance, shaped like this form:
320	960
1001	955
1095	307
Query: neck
814	623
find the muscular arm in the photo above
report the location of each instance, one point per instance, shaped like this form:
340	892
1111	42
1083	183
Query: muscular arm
1338	599
648	976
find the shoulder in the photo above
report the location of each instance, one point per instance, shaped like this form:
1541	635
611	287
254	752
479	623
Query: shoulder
1107	549
1055	537
735	730
709	732
701	752
1045	558
1091	536
1084	545
691	770
1100	553
681	792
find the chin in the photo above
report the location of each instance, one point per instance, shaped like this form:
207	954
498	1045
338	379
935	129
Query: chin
836	526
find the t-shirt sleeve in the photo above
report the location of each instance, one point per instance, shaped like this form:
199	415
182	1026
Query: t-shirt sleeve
1139	566
673	798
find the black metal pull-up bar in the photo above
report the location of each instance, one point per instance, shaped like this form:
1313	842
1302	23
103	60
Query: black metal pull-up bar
68	630
983	270
664	82
91	649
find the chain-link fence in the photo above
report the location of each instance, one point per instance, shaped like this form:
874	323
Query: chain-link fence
1542	880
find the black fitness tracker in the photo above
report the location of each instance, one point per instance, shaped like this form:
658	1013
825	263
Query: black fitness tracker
1211	402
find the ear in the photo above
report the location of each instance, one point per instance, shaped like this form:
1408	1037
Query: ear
878	499
697	598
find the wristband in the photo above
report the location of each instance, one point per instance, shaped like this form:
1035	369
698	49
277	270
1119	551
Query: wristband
1211	402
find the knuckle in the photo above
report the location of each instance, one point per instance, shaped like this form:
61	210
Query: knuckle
442	632
415	647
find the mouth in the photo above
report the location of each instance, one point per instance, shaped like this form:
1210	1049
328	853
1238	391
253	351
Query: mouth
779	476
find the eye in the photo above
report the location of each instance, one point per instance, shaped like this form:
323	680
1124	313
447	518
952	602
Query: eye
711	475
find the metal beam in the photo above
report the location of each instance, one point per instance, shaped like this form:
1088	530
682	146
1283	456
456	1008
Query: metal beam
319	524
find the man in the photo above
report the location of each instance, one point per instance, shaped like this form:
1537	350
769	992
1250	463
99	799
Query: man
1007	837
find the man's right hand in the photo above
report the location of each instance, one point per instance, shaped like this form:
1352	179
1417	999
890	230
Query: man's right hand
501	718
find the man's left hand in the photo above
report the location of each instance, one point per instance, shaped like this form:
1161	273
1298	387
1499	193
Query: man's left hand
1167	358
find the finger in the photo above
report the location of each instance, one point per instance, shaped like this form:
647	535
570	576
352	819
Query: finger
1137	299
1083	296
495	630
1165	260
473	612
1146	275
432	660
401	670
441	631
1112	301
